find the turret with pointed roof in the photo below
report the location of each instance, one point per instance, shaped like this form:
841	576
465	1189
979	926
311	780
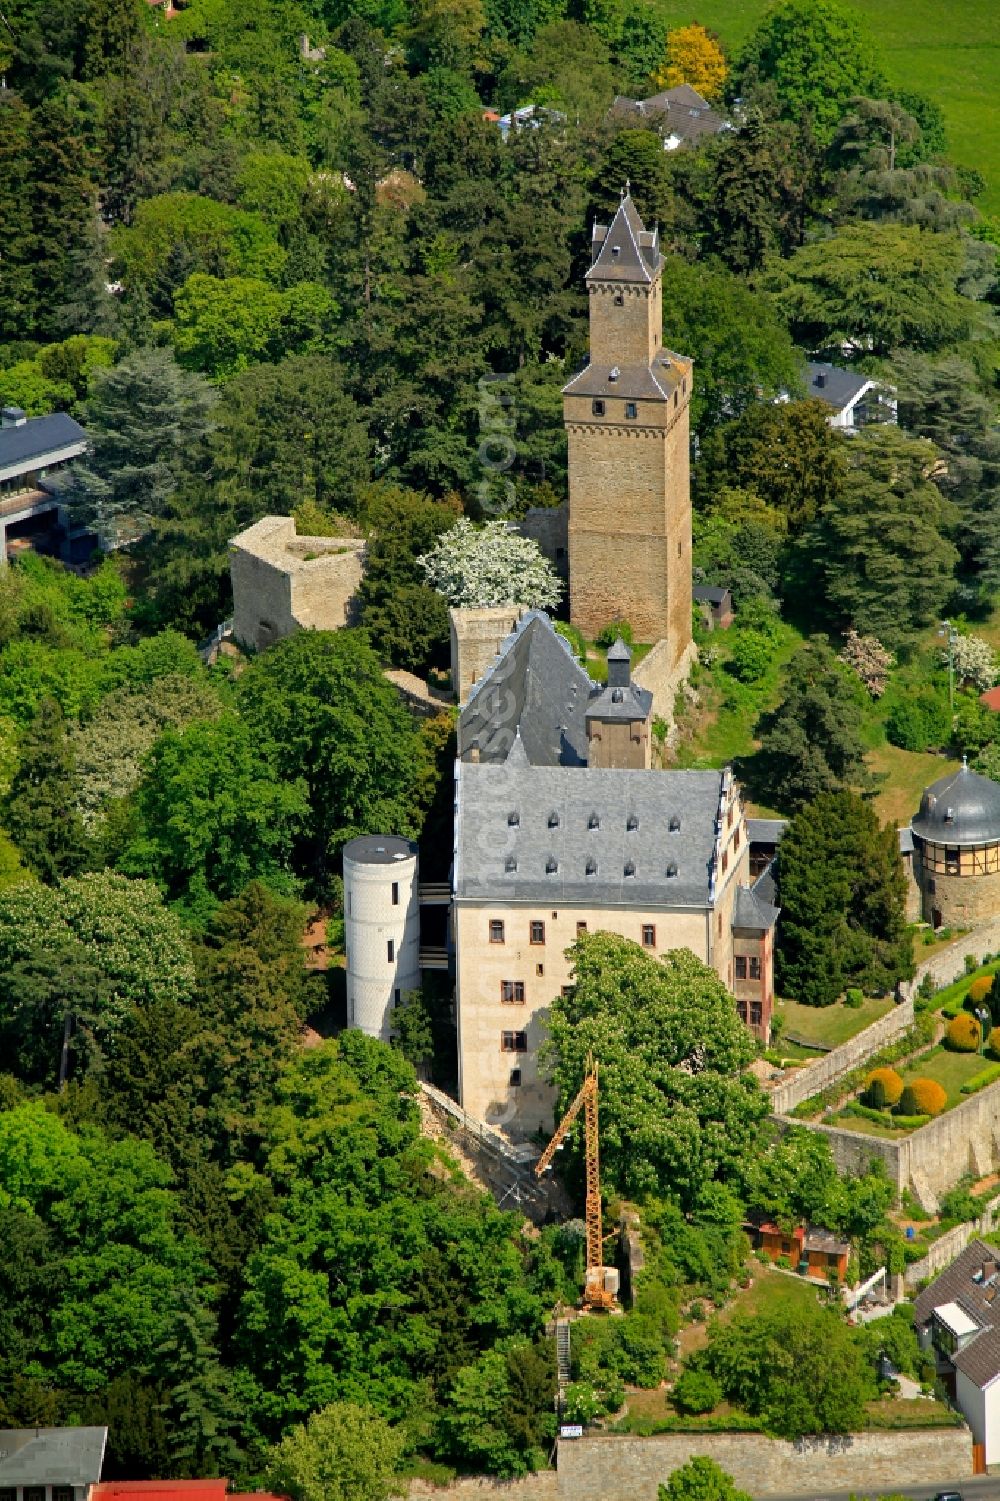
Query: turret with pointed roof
626	417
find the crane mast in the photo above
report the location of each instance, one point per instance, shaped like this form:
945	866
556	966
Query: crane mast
595	1293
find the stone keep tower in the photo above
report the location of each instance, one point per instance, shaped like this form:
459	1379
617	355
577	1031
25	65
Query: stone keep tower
626	417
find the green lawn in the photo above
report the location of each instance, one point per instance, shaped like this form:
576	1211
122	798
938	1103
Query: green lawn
768	1292
951	1070
947	49
908	773
722	729
828	1025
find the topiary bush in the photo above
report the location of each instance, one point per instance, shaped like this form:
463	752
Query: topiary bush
962	1034
696	1391
922	1097
993	1042
979	991
854	998
883	1089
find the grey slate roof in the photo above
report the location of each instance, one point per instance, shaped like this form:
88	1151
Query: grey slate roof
625	250
709	594
961	808
766	830
753	911
980	1359
680	111
51	1456
379	849
537	684
38	437
655	382
958	1284
514	822
627	704
905	841
838	388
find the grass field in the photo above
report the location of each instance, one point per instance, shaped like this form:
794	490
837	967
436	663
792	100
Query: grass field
947	49
828	1025
951	1070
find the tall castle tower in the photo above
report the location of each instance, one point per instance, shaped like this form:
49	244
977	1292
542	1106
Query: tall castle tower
626	417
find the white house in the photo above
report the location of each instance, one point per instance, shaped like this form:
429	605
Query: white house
958	1315
855	400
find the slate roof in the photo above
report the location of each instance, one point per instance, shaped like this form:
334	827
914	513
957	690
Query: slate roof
536	683
626	704
680	111
752	910
655	382
625	250
530	833
709	594
838	388
960	808
980	1359
905	841
766	830
958	1284
36	438
51	1456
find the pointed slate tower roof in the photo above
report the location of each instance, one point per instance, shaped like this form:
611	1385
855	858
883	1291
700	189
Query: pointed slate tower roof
625	250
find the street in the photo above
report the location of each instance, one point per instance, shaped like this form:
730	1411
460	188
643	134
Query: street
978	1488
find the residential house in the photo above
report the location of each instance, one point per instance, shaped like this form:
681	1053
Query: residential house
34	451
958	1316
855	401
680	116
50	1464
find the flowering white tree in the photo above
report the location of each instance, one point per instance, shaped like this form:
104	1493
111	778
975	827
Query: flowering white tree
482	566
975	661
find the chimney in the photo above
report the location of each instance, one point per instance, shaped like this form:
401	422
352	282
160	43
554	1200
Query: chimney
12	417
619	665
989	1270
821	379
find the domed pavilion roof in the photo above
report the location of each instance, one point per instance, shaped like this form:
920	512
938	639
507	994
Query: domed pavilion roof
961	808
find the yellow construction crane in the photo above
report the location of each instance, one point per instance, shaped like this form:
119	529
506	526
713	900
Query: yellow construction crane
598	1285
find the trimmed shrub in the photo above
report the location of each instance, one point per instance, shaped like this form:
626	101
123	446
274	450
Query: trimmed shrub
883	1089
919	721
854	999
980	989
696	1391
922	1097
994	1042
988	1075
962	1034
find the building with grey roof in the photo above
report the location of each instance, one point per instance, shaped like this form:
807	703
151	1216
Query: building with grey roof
50	1464
681	116
954	858
958	1317
855	400
562	828
34	455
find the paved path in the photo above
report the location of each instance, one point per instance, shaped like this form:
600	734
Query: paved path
980	1488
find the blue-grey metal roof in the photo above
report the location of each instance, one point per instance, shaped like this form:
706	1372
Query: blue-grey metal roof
537	685
962	808
587	835
753	911
37	437
51	1456
837	387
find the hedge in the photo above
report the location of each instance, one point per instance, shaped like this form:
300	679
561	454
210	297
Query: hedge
891	1121
923	1097
979	1081
963	1034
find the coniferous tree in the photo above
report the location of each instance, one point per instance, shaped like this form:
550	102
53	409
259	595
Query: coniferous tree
811	743
41	807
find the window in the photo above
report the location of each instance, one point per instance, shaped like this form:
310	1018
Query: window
632	823
672	868
510	864
8	1493
741	1007
725	861
597	408
629	868
512	992
34	1493
674	824
755	969
566	990
631	411
513	819
931	888
718	925
62	1493
539	969
551	865
951	860
678	549
648	936
513	1042
396	998
496	930
675	398
756	1013
736	839
395	893
537	931
515	1078
729	820
591	866
553	820
619	299
390	950
581	928
594	821
741	967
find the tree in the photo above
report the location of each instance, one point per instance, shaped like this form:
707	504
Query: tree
490	565
143	417
320	705
343	1453
786	453
760	191
974	661
873	287
800	1368
695	57
741	352
481	1423
41	814
675	1097
843	902
810	743
816	55
222	326
406	620
700	1480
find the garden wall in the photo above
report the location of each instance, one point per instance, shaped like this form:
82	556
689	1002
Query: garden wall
619	1468
952	1243
809	1080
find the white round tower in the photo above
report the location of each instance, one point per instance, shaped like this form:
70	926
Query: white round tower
382	929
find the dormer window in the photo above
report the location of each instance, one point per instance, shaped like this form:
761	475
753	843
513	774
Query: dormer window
551	865
629	868
592	867
553	820
594	822
614	373
616	250
513	820
672	869
632	823
949	815
674	824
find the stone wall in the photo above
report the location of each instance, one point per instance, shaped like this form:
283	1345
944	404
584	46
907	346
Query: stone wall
283	582
809	1080
951	1244
547	526
476	639
619	1468
541	1487
662	676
